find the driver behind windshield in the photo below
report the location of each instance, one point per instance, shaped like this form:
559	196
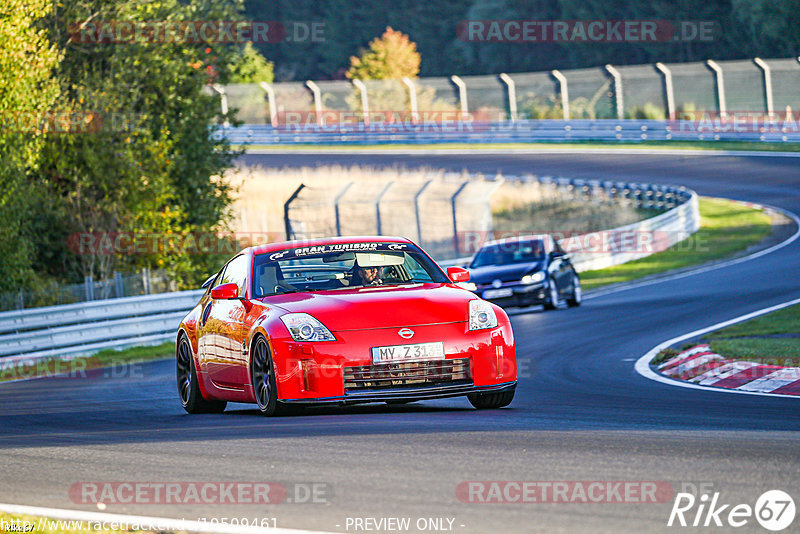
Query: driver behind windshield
368	276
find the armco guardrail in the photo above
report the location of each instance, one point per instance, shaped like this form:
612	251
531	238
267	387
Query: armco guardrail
79	329
522	131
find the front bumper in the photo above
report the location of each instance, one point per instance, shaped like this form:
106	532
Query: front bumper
406	394
342	371
521	294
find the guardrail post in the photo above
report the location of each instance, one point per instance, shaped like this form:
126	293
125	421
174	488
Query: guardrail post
455	222
317	94
563	87
223	101
512	95
669	92
412	99
273	108
287	223
767	74
378	207
462	94
336	207
720	84
416	209
88	287
364	101
618	98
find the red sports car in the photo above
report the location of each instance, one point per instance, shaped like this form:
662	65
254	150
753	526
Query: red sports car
342	321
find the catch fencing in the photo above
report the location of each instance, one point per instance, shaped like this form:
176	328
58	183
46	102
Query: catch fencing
752	100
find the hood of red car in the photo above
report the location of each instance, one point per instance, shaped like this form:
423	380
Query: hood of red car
380	306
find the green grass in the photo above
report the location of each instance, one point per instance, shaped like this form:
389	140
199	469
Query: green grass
736	342
105	358
650	145
726	228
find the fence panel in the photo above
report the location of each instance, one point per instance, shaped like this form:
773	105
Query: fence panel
643	92
694	87
538	96
785	84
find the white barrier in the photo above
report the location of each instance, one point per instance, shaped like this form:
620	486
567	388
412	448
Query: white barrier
87	327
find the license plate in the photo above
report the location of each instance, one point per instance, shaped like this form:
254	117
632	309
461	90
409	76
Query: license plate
418	351
498	293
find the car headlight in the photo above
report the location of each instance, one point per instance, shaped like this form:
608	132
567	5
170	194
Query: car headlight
304	327
481	315
467	285
533	278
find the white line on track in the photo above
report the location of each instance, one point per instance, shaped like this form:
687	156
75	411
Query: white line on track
145	522
643	364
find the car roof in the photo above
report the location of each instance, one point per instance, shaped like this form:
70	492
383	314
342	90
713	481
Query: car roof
283	245
520	239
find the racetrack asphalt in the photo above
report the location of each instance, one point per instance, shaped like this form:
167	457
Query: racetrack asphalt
581	412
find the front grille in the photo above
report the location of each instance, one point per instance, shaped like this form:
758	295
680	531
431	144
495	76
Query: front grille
407	375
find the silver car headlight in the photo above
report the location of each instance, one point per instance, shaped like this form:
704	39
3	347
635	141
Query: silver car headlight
304	327
481	315
533	278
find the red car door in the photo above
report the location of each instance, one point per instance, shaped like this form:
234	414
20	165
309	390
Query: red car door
222	336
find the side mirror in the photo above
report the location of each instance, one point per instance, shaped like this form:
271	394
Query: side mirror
458	274
556	254
225	291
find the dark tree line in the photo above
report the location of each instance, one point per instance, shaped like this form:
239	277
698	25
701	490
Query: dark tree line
742	29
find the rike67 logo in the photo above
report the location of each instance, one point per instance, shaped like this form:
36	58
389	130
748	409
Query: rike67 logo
774	510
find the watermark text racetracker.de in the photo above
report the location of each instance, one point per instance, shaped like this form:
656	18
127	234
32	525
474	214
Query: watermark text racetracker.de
195	31
208	492
586	31
564	492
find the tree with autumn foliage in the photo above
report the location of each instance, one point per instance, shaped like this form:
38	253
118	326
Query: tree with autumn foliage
390	57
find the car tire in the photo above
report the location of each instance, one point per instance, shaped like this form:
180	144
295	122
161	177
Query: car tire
552	299
577	293
189	392
491	401
262	376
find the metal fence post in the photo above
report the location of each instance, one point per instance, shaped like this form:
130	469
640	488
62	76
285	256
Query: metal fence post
146	280
462	94
273	109
720	83
317	94
618	99
412	99
416	209
88	287
669	93
455	222
223	101
364	100
512	95
287	223
767	73
336	206
120	288
378	207
564	89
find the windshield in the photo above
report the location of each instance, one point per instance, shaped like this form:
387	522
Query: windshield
509	253
341	266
